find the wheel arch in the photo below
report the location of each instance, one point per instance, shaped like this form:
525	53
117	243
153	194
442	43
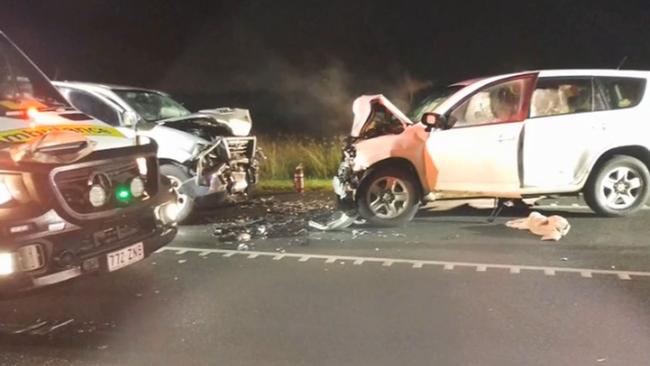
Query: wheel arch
399	163
636	151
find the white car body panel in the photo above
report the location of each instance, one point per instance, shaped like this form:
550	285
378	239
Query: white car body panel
183	145
476	159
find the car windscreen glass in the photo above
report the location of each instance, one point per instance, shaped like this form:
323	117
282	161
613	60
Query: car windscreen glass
152	106
429	103
22	85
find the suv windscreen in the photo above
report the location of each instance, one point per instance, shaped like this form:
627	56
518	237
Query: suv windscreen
22	85
431	102
152	106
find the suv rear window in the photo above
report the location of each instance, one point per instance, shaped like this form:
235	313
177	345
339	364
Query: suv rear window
619	93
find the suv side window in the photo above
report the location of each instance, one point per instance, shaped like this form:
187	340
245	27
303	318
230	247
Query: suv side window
94	107
557	96
619	92
498	103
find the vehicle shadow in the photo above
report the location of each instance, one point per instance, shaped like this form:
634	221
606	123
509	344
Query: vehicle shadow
507	212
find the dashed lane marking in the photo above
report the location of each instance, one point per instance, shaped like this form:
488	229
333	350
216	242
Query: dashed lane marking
555	206
624	276
415	263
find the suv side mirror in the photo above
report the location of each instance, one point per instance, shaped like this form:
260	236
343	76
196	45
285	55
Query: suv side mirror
433	120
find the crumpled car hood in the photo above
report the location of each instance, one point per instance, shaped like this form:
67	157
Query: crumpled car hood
237	120
362	109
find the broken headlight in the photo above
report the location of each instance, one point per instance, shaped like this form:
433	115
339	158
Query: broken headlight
12	188
239	127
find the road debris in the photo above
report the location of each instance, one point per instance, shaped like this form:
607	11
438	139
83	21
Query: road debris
549	228
271	217
340	220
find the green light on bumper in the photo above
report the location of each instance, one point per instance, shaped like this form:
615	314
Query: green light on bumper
123	194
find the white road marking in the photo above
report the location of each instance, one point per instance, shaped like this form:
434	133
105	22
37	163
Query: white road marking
481	268
555	207
203	254
624	276
387	263
331	260
417	263
181	251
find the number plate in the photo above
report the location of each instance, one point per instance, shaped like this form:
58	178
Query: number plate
124	257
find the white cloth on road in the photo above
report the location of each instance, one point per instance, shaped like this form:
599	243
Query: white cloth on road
549	228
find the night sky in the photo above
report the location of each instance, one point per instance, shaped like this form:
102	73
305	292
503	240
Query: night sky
299	64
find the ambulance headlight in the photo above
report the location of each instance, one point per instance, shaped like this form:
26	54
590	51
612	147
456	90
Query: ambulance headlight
7	263
12	188
97	196
137	187
5	195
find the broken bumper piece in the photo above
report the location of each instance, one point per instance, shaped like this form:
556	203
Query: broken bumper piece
340	220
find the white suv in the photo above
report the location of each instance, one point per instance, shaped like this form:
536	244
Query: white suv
548	132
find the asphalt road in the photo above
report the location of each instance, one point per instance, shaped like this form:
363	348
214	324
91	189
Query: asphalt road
449	289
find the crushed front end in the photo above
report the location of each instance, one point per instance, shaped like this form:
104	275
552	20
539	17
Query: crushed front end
347	180
227	167
97	214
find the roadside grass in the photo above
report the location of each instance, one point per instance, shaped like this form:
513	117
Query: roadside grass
286	185
320	158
